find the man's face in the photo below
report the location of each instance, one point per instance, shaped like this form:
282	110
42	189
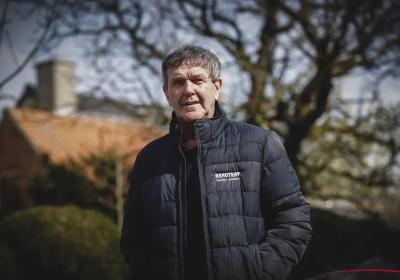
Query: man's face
191	93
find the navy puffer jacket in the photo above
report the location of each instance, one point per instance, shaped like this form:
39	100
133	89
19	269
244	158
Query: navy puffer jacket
256	221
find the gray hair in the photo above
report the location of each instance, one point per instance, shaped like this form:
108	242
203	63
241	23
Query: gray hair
194	56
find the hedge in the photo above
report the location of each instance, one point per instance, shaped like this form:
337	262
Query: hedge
54	242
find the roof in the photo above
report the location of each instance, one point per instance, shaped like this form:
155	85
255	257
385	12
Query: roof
29	92
78	137
88	104
97	106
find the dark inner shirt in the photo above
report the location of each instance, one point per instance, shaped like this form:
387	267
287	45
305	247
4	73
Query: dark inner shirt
195	264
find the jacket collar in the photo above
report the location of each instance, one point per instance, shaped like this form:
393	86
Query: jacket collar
207	129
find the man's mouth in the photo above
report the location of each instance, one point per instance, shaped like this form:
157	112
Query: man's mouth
191	103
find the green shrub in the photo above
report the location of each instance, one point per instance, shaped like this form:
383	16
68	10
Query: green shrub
62	184
50	242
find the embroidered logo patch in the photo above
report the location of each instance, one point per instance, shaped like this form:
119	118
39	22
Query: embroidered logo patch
228	176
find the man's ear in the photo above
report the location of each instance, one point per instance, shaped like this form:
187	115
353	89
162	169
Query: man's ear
165	90
217	87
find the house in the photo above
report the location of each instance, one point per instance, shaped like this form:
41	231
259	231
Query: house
55	93
52	120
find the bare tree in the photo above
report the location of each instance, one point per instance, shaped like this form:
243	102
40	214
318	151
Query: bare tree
290	53
45	24
295	53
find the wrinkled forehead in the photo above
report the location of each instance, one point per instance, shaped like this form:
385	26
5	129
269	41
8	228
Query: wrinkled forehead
192	62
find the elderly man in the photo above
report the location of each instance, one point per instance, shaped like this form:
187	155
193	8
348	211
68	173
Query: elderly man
212	199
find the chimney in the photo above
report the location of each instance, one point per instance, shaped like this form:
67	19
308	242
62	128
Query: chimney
56	91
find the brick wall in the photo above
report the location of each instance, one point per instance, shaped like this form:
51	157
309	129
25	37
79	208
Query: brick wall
16	153
18	162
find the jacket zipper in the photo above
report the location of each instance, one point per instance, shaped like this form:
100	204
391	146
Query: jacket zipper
203	204
182	207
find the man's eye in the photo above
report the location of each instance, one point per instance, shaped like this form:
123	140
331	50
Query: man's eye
199	81
178	82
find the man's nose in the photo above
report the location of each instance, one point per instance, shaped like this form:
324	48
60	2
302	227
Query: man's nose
189	88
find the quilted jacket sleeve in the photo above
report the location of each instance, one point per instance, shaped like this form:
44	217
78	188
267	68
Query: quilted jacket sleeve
133	243
285	211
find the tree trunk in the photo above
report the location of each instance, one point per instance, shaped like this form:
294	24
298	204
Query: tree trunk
256	102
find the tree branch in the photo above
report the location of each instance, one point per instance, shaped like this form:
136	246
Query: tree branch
12	49
3	21
29	57
301	18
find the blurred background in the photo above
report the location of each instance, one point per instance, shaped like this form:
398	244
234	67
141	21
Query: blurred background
81	94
